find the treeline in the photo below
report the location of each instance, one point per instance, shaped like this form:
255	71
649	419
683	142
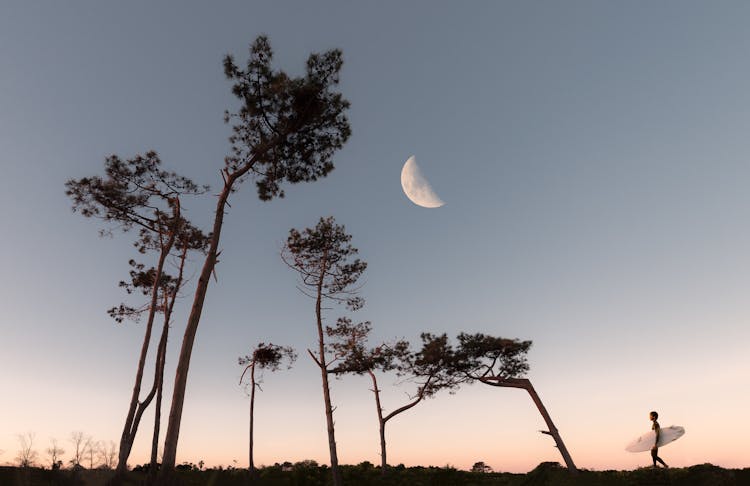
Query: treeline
80	451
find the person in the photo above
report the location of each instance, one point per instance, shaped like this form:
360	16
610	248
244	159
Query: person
657	432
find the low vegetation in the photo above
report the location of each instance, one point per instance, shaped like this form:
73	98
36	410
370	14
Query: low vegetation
306	473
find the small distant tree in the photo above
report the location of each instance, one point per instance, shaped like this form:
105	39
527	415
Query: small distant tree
430	369
481	467
55	452
92	452
107	454
501	362
27	456
328	270
79	441
264	357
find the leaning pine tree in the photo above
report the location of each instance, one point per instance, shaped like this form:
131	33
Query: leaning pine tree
501	362
329	270
138	194
286	129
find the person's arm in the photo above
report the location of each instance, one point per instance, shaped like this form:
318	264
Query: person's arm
657	431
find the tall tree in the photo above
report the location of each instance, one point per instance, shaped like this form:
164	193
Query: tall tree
501	362
286	130
137	193
328	271
264	357
430	369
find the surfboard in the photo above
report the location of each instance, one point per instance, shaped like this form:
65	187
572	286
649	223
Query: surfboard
646	441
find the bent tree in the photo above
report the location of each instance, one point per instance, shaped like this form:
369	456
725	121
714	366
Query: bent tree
328	271
264	357
286	130
138	193
501	362
431	369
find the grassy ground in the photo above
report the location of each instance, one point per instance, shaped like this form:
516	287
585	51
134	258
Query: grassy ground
304	474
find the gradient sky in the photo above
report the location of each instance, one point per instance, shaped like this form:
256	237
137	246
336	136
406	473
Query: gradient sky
593	160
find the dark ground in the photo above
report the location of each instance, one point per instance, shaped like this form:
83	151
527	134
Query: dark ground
308	473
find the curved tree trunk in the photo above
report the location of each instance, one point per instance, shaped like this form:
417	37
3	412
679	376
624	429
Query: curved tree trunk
382	421
526	385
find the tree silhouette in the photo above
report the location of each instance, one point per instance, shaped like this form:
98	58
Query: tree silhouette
107	454
138	193
92	450
80	442
264	357
286	130
27	456
501	362
328	270
481	467
55	452
430	369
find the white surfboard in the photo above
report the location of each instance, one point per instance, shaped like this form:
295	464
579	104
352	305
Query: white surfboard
646	441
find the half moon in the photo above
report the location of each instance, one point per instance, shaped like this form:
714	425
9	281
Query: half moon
416	187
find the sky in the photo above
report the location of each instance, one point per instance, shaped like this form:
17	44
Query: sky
592	157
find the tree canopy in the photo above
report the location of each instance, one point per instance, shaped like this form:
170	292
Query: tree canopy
287	128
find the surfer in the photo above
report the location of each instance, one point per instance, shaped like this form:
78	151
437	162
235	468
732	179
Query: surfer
657	431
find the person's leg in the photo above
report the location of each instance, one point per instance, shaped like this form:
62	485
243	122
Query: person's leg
655	457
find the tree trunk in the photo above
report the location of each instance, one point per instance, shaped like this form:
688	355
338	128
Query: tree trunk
162	359
160	362
324	377
526	385
381	424
330	427
133	418
183	363
251	464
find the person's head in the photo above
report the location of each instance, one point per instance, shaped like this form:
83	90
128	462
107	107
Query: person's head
653	415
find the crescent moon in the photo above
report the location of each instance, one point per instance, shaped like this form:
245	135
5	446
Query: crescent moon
416	187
